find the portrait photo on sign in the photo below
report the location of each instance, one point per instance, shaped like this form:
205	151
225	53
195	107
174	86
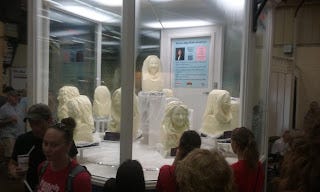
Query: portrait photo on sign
180	54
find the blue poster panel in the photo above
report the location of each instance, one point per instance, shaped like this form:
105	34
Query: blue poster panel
190	59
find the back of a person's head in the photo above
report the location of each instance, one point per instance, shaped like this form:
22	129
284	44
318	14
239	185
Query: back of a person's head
245	142
110	185
38	111
304	154
66	126
202	171
189	140
7	89
130	177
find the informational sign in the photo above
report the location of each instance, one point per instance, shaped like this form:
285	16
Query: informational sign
19	78
74	68
190	59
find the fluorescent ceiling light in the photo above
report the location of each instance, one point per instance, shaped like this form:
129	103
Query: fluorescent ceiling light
110	3
178	24
110	43
149	46
68	33
91	14
232	4
62	18
152	34
160	1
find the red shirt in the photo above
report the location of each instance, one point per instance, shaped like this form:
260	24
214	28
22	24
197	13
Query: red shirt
55	181
248	180
167	179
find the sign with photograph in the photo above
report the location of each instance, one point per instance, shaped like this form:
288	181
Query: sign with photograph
19	78
190	58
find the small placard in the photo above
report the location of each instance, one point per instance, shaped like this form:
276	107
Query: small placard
111	136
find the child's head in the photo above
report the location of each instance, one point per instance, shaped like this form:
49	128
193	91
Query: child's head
189	140
243	144
130	177
203	170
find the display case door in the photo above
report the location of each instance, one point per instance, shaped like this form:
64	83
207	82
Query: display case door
193	77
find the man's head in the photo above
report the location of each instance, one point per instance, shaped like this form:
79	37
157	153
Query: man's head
13	97
39	117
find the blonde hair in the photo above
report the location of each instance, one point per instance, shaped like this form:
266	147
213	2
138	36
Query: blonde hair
202	171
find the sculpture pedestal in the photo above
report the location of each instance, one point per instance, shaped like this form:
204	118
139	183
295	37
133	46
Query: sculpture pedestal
151	107
101	124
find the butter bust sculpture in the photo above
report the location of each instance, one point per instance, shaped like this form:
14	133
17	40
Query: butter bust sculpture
80	108
114	125
175	122
65	94
152	79
218	114
102	102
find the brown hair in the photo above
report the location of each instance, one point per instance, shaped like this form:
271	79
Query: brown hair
203	170
67	126
130	177
188	141
300	168
245	141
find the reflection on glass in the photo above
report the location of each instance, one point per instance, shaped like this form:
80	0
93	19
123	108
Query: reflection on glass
74	62
72	55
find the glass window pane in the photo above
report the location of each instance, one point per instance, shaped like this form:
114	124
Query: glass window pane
187	76
84	72
186	60
72	59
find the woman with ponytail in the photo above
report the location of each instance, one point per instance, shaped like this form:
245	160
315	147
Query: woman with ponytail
189	141
54	174
248	171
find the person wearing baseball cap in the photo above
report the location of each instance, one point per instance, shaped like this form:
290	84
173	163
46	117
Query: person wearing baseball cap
39	117
11	124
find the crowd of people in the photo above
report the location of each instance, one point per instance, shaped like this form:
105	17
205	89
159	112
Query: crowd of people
53	166
300	168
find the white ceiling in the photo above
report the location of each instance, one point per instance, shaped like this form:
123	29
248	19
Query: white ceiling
161	12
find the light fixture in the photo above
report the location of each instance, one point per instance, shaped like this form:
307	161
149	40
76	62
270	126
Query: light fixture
91	14
178	24
110	43
110	3
160	1
64	33
232	4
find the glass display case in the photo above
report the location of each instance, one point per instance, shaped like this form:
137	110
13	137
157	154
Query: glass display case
157	61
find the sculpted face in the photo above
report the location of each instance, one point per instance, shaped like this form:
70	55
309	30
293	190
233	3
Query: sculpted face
179	117
153	66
